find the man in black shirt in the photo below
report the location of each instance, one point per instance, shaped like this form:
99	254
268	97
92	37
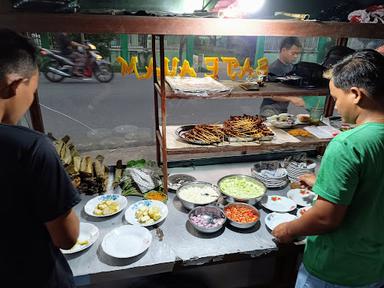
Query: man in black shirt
290	49
69	49
37	194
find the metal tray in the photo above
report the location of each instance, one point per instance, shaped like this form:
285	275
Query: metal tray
185	128
249	139
240	139
175	181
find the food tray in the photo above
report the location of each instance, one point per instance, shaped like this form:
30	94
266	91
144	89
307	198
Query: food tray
185	128
197	86
240	139
250	139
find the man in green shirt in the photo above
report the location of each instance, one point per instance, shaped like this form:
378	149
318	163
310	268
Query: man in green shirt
345	247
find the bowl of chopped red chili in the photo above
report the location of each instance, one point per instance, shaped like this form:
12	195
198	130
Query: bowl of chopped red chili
241	215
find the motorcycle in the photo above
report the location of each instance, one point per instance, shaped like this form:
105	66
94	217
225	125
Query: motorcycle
60	67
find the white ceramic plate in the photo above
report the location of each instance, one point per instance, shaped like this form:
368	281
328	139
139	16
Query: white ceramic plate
302	210
126	241
278	203
277	174
302	197
92	203
88	233
282	124
273	219
283	120
131	210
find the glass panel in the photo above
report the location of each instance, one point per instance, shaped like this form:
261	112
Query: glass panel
97	114
365	43
101	115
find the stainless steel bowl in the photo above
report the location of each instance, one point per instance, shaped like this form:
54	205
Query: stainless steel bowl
252	200
189	204
240	224
175	181
209	214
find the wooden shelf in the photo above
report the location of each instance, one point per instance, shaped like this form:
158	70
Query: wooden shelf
48	22
282	142
269	90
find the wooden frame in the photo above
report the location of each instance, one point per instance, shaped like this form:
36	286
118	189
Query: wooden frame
35	22
187	26
160	26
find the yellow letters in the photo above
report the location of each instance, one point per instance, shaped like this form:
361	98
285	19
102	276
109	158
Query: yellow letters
246	69
128	69
187	69
232	63
262	67
212	64
149	70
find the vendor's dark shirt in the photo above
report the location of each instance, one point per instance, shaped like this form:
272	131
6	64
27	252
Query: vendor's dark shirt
35	189
277	68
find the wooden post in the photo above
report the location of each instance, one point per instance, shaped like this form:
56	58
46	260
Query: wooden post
156	101
163	116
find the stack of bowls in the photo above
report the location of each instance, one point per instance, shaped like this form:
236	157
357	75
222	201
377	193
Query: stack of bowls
276	178
296	169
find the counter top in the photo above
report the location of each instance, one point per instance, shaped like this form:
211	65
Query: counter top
181	242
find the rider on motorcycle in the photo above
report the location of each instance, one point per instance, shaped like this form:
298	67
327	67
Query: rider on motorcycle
72	50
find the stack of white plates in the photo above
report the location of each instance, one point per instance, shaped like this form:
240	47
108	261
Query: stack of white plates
296	169
271	178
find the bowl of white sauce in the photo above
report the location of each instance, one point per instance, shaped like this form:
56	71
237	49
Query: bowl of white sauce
197	193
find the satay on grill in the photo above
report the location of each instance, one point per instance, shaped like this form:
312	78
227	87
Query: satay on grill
205	133
246	126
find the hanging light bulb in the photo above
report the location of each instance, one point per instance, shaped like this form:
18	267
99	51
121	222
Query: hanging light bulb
250	6
241	7
190	6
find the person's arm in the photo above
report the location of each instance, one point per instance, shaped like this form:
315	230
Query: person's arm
295	100
380	49
64	230
55	187
307	180
323	217
77	44
335	184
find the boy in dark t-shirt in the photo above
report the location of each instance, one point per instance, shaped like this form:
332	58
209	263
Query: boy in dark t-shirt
37	195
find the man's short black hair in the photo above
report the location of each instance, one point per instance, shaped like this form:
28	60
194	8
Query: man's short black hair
363	69
288	42
17	55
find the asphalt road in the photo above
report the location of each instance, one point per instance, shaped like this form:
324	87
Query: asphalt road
121	113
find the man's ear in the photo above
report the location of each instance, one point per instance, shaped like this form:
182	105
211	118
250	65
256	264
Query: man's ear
358	95
10	88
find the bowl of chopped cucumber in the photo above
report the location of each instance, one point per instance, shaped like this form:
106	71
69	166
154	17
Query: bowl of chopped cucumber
241	188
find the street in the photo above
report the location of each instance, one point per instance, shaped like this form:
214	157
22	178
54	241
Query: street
121	113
